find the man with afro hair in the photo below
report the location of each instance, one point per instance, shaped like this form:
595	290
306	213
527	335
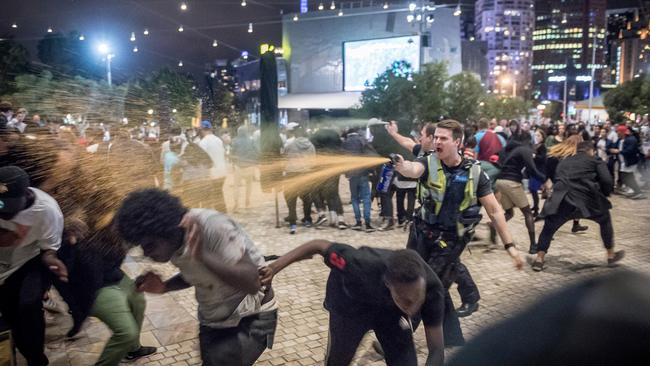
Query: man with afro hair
237	315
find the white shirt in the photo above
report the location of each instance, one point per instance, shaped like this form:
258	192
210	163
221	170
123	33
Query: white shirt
19	125
45	222
213	145
220	305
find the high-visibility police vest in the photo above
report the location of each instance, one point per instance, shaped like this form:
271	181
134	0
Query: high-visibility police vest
432	193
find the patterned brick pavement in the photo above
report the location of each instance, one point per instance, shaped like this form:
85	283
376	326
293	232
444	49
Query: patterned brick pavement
301	339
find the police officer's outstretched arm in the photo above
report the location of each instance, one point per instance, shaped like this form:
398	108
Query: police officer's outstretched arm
305	251
408	169
495	211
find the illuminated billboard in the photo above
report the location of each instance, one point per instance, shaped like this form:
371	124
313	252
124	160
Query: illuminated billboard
364	60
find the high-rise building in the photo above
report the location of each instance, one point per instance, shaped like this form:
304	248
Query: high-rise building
507	27
565	32
628	52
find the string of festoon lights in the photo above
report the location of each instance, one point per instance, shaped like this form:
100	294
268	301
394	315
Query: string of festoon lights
336	9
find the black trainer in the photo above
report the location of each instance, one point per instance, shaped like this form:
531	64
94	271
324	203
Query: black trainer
389	225
357	226
578	228
466	309
321	220
611	262
139	353
369	228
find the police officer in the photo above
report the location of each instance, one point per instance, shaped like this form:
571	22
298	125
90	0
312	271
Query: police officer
467	289
451	190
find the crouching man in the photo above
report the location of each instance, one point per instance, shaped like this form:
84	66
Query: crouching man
375	289
237	315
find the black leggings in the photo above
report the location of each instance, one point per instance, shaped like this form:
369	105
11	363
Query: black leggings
553	222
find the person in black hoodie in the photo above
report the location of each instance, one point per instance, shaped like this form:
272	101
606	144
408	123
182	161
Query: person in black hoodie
327	141
581	187
517	155
539	158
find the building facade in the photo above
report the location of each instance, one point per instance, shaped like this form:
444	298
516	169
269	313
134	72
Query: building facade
314	43
507	28
564	38
628	49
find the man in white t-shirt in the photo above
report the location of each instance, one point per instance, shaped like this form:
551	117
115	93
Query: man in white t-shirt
213	146
237	315
31	226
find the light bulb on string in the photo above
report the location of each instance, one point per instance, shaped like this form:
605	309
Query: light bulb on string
49	30
320	6
243	2
132	37
250	27
386	5
183	6
14	25
295	18
340	12
215	43
412	6
146	32
409	18
180	63
81	37
180	29
135	49
332	6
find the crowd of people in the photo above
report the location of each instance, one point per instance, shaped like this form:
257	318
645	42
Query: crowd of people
73	203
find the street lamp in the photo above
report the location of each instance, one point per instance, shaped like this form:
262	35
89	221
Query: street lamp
507	80
105	50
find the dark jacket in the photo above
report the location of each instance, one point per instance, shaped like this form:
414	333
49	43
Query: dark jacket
357	145
583	182
92	264
514	158
326	141
630	151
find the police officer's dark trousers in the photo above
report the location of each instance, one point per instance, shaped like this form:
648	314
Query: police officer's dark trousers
444	260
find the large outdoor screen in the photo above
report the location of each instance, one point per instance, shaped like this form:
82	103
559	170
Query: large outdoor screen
364	60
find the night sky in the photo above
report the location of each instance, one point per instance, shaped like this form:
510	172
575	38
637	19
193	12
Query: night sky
114	20
204	20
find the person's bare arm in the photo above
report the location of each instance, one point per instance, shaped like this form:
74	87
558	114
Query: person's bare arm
408	169
435	345
404	141
305	251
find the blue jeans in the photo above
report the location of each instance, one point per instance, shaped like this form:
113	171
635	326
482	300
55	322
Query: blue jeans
360	192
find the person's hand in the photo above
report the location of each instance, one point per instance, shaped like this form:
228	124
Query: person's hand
54	264
193	237
391	127
516	258
150	282
399	161
75	230
266	274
